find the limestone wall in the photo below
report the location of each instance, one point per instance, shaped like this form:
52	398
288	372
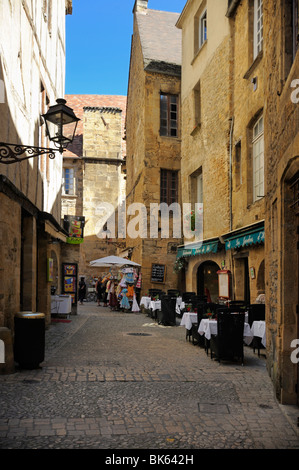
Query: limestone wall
282	165
10	267
147	153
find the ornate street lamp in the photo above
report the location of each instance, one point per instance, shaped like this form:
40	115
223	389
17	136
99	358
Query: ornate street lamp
61	124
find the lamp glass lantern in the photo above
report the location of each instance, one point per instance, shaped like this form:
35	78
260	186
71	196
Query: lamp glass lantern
61	124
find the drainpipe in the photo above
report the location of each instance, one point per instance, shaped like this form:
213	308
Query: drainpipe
230	174
231	196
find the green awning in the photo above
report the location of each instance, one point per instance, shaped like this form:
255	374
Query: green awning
254	234
251	237
200	248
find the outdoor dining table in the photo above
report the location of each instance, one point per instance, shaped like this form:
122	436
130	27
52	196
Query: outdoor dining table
179	305
155	305
258	329
145	301
209	327
188	319
61	304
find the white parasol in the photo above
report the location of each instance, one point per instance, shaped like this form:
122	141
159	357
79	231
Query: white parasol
109	261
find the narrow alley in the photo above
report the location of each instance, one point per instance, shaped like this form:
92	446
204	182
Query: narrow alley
113	380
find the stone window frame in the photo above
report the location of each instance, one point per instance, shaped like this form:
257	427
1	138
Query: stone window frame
238	164
197	105
203	28
166	183
290	32
248	157
200	34
195	197
258	140
168	118
257	28
74	193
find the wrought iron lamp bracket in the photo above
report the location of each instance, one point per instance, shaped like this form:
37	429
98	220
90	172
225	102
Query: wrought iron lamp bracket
12	153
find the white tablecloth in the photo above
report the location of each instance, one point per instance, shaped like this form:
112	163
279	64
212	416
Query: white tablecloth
209	327
155	305
188	319
179	305
61	304
258	328
145	301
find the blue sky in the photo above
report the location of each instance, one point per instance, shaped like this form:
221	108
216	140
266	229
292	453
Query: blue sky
98	43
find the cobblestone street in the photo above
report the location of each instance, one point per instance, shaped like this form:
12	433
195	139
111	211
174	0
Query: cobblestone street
121	381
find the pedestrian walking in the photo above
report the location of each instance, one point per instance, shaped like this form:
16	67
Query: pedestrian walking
105	291
82	290
99	290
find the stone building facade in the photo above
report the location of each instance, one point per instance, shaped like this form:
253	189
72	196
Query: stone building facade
32	75
281	60
93	176
220	106
205	136
153	137
246	151
241	145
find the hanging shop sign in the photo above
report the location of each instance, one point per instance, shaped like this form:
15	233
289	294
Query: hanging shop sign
250	238
198	249
74	225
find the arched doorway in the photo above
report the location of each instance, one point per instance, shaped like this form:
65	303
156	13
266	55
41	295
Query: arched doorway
207	278
260	285
55	282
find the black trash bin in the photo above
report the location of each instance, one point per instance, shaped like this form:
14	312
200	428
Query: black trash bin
29	341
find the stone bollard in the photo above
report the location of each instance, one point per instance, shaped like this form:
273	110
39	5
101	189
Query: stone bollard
7	365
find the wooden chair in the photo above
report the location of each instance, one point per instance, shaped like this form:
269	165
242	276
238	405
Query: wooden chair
256	312
174	292
198	339
187	297
238	303
202	309
155	293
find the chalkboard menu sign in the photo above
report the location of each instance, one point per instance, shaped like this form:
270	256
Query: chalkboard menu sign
158	273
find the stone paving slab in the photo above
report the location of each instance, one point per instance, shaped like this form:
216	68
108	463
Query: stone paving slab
100	387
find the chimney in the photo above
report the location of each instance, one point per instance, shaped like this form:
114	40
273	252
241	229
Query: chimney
140	5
